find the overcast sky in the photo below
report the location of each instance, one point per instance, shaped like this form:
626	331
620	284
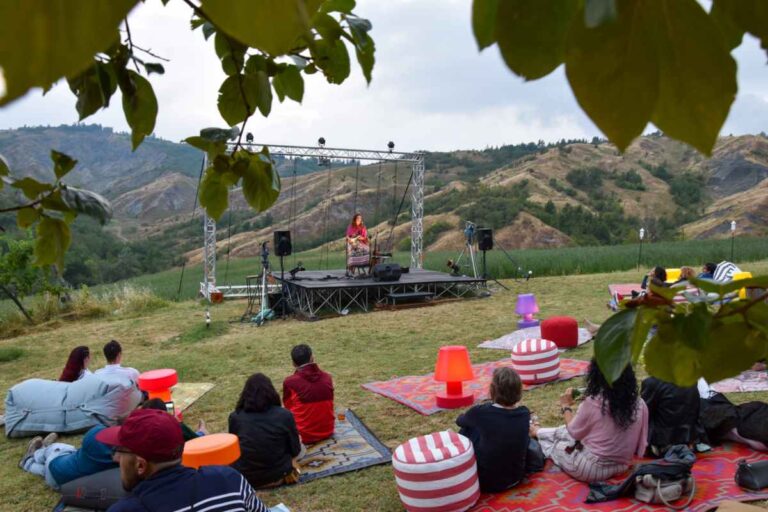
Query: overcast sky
431	88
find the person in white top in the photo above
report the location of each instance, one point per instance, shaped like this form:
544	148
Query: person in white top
113	352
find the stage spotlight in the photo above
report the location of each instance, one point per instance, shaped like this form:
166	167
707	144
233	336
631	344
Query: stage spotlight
391	146
249	138
296	270
321	142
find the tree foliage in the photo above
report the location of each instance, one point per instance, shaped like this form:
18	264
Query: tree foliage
711	335
263	46
631	62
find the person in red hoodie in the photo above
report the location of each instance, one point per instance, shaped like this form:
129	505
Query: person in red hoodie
308	394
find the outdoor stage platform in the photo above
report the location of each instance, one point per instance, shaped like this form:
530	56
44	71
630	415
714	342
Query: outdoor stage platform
317	292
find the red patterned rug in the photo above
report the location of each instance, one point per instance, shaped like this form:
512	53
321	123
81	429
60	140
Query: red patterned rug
554	491
418	391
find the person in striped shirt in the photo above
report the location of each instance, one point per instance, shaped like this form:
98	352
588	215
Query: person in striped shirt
148	447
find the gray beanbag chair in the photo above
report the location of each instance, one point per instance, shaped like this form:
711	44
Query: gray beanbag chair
96	492
37	406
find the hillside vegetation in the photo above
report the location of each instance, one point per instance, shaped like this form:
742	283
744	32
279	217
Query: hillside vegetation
535	195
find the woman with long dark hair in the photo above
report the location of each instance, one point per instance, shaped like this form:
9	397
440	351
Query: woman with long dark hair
77	365
268	437
358	248
602	437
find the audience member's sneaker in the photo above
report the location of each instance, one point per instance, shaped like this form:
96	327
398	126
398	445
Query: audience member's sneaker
202	428
50	439
34	445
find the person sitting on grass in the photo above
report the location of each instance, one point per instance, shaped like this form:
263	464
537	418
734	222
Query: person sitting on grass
113	352
499	433
601	438
77	365
308	394
268	437
188	433
673	415
708	271
686	274
59	463
148	448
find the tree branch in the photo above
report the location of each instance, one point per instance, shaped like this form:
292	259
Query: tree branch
149	52
130	45
22	206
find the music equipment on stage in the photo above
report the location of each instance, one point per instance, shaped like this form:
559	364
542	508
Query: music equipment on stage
282	243
386	272
484	239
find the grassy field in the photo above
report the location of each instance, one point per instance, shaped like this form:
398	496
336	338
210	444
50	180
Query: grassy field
355	349
542	262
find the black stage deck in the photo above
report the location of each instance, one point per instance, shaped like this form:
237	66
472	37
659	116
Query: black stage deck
315	292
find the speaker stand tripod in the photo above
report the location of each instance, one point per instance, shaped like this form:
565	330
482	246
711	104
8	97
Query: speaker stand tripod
485	273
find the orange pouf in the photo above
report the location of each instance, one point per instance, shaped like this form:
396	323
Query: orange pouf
211	450
563	330
158	383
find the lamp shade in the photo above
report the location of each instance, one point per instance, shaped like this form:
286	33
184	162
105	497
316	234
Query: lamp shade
526	304
453	364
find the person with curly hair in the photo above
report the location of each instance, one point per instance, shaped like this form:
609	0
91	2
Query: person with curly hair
601	438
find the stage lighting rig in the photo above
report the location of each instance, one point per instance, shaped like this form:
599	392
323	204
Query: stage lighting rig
249	138
321	142
391	146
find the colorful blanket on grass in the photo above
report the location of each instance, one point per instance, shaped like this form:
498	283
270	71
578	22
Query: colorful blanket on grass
351	447
187	393
508	341
418	391
746	381
554	491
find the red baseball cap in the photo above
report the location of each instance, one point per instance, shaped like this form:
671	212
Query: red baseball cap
149	433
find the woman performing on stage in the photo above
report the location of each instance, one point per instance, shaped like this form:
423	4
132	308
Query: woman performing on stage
358	250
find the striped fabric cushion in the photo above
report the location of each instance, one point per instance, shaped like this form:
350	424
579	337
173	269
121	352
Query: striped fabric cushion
536	360
436	473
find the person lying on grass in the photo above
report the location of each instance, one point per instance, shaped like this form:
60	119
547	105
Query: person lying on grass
499	433
673	415
268	437
602	437
148	448
59	463
188	433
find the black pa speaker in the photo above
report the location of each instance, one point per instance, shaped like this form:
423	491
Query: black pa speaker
484	239
282	243
386	272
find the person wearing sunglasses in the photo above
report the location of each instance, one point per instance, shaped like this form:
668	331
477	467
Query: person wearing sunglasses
148	448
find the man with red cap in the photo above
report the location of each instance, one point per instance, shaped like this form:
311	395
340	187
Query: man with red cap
148	447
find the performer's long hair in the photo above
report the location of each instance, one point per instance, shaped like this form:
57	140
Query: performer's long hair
355	216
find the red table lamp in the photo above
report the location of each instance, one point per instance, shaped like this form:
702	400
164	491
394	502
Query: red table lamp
158	383
453	367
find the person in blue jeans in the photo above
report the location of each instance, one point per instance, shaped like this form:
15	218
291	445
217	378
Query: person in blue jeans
59	463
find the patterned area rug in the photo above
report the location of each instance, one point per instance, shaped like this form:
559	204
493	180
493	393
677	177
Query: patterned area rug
187	393
508	341
352	447
746	381
554	491
418	391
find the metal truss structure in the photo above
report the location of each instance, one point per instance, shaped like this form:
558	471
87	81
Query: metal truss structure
312	302
416	160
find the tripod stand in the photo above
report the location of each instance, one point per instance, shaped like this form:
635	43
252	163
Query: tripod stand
485	273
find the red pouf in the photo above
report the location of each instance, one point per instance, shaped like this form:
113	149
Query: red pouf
563	330
536	361
436	473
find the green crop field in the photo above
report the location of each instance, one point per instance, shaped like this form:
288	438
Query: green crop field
501	265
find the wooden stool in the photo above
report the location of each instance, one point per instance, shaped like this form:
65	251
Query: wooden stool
158	383
211	450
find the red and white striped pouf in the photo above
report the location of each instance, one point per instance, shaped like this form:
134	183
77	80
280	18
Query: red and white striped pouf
536	361
436	473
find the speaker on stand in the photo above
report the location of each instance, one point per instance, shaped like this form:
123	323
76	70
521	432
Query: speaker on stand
283	248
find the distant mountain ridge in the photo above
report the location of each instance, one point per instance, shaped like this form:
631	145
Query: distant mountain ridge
534	195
